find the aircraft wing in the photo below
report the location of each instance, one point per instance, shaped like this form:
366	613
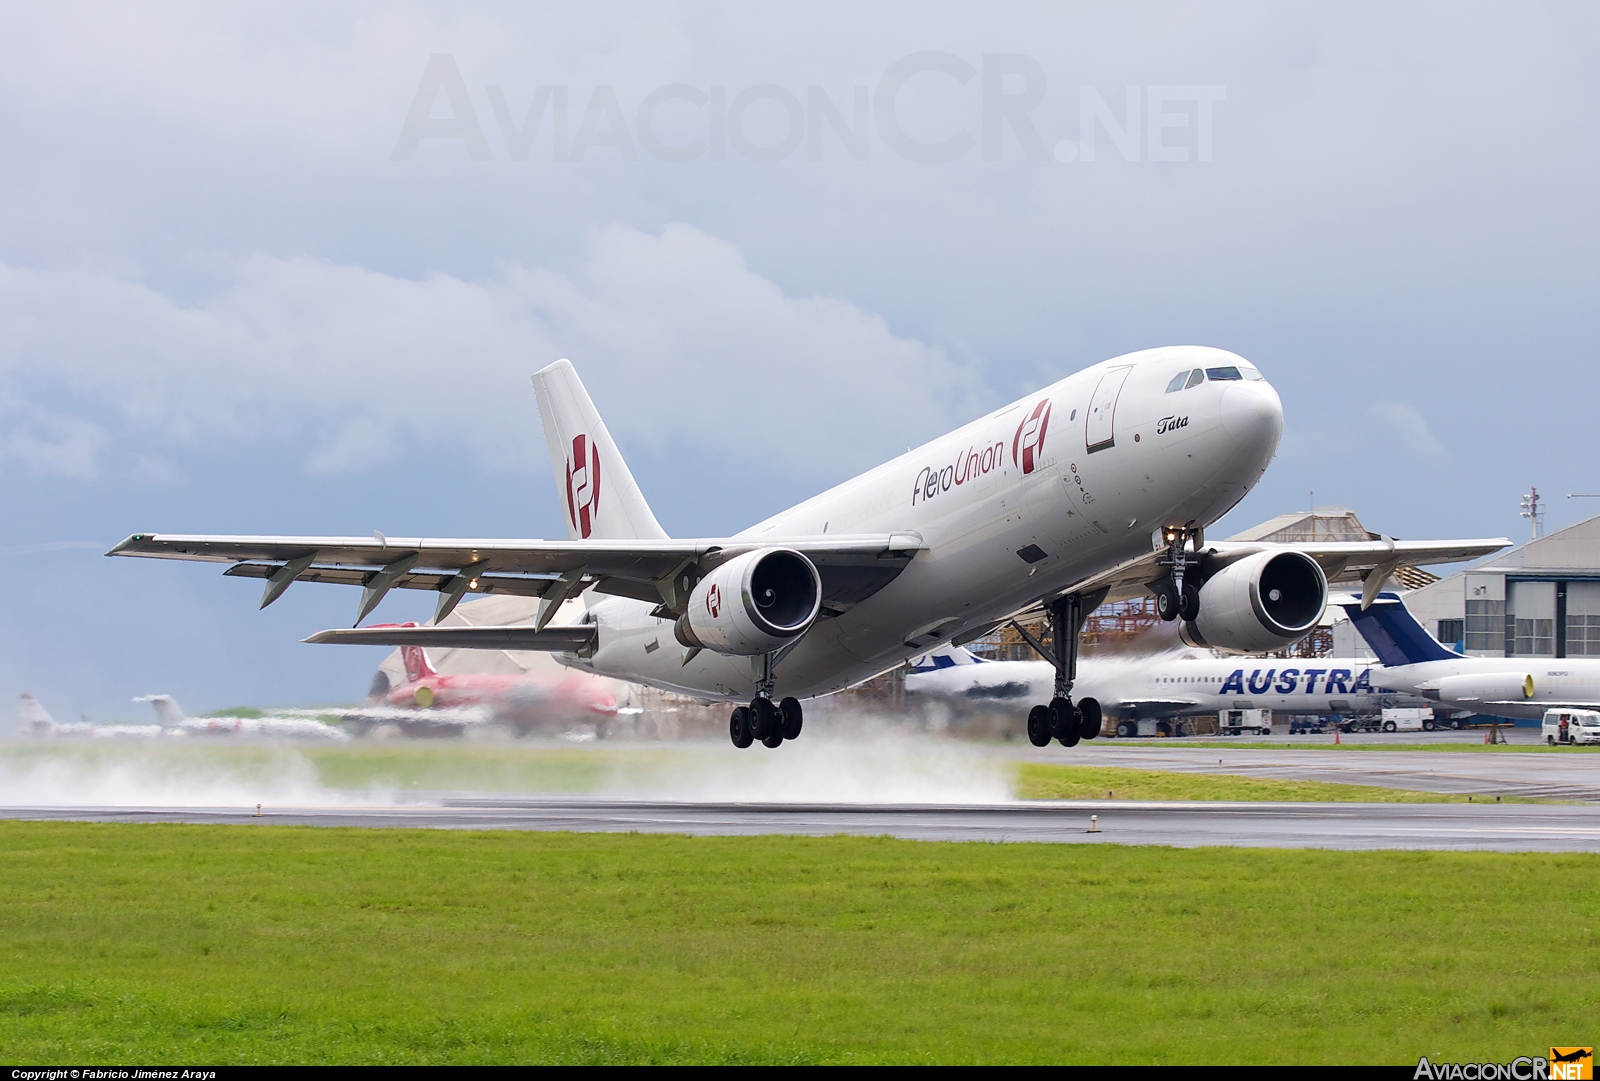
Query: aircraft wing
853	567
549	640
1341	561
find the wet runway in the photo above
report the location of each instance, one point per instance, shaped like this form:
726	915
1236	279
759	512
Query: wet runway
1484	826
1558	776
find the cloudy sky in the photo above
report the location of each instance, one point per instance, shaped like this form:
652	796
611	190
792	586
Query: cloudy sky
279	268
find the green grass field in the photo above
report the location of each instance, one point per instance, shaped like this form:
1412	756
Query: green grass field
1040	780
189	945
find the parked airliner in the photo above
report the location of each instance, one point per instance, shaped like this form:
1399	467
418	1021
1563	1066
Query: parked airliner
1173	684
1497	686
1097	487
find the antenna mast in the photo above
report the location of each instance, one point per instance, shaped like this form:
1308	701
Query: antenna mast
1532	511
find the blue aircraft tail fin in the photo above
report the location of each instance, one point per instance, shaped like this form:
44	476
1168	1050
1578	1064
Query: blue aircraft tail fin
946	657
1394	633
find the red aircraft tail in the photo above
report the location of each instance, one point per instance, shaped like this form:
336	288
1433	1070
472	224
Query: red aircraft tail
415	657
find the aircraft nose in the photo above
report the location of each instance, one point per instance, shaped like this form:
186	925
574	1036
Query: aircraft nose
1253	414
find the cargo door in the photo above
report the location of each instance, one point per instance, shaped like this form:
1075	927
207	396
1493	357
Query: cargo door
1100	425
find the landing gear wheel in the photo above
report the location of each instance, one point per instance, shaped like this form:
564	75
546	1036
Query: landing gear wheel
1189	603
774	740
1167	603
1064	721
1039	726
792	715
1089	718
739	727
764	720
1071	737
1127	729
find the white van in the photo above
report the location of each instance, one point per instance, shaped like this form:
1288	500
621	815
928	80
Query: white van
1407	720
1571	726
1236	722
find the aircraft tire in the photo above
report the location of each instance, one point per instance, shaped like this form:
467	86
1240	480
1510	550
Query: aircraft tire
793	717
774	740
1039	726
1090	718
1063	718
764	720
1167	603
1189	603
739	727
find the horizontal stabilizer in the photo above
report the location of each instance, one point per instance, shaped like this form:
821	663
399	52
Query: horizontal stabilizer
549	640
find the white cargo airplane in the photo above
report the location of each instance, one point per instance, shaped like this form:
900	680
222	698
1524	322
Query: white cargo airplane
1497	686
1099	486
1169	684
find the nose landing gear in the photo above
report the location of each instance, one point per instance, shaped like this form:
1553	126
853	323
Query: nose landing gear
1175	597
1061	720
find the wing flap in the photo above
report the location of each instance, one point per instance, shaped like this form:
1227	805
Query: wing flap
357	576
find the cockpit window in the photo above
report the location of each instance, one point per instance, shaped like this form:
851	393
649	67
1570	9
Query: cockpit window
1177	382
1197	377
1222	375
1253	375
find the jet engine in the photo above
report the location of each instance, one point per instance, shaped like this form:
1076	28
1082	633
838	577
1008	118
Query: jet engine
1261	602
752	604
1488	687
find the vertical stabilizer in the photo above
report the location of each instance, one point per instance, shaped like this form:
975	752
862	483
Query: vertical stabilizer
598	496
33	719
168	712
1394	633
416	662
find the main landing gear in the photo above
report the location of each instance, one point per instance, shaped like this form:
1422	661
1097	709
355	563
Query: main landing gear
761	719
1061	719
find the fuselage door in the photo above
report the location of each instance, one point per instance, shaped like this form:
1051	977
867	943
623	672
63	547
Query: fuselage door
1100	429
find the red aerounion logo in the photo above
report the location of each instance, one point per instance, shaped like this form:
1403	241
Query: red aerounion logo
1027	446
583	484
714	600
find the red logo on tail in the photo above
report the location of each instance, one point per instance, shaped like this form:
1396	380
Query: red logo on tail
583	484
1027	446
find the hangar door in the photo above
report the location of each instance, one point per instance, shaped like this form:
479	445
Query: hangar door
1103	409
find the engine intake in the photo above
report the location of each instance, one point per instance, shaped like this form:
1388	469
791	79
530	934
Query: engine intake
752	604
1262	602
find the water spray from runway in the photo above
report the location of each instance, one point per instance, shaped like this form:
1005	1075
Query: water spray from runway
877	765
130	773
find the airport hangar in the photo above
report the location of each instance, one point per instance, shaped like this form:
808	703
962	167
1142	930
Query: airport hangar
1539	600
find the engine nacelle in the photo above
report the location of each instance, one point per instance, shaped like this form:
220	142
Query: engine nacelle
1488	687
752	604
1260	603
